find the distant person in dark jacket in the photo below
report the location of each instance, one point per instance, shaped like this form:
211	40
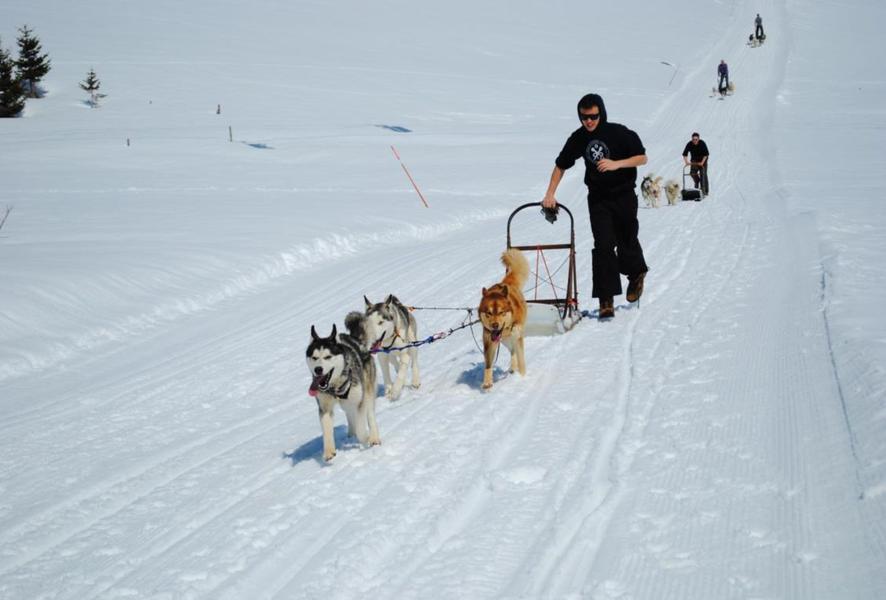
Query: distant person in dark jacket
611	154
696	154
758	23
723	72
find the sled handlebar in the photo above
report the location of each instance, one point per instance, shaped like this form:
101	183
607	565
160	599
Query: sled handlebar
571	243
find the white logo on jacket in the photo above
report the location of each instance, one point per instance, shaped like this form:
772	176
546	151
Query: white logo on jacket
596	150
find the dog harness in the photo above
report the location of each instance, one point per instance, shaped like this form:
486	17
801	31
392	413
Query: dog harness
342	392
393	339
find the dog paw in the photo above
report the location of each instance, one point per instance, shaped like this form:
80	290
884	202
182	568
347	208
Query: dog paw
374	441
328	456
487	386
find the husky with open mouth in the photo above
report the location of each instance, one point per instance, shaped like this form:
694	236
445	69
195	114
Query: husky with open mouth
650	187
343	373
503	315
383	328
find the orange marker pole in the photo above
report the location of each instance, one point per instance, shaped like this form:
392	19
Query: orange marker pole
405	170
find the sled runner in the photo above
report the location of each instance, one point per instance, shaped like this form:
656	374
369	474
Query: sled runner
560	313
692	193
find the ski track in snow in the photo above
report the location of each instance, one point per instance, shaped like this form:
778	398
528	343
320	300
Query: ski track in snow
306	256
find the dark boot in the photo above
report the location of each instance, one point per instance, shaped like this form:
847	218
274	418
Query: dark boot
635	287
607	309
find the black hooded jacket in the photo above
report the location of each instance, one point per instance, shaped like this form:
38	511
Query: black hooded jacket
609	140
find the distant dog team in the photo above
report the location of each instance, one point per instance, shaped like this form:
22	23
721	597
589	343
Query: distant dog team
650	188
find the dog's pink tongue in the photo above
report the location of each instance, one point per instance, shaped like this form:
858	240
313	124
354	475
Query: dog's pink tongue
312	391
496	336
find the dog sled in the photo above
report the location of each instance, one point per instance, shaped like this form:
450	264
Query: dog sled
721	92
755	41
693	193
558	314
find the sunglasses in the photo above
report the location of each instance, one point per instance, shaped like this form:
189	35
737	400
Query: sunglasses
591	117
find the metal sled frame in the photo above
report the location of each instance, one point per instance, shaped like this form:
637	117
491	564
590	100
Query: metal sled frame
567	307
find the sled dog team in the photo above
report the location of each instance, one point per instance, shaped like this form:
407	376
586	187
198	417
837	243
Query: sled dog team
650	187
343	371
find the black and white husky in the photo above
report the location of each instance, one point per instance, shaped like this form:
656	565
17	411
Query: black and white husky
650	187
385	326
343	372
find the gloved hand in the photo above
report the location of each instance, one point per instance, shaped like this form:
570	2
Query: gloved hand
550	214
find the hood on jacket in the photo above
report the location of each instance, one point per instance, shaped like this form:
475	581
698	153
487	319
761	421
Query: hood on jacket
590	100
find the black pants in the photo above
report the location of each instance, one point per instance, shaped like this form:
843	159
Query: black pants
724	84
759	32
617	250
700	177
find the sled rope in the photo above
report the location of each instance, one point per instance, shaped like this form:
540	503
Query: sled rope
547	270
549	279
431	338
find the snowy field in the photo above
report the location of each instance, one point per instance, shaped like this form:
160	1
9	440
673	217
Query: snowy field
724	440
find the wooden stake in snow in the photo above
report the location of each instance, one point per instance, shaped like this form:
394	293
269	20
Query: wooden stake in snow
418	191
230	134
5	215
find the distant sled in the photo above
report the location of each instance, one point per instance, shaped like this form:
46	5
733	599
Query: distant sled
755	41
723	92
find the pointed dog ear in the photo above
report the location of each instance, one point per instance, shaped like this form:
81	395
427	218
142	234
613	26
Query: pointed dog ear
389	299
314	335
504	290
483	292
334	332
368	303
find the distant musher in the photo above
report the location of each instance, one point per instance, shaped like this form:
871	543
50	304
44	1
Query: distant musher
695	156
723	73
758	31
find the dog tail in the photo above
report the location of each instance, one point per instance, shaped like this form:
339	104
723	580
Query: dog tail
354	324
517	268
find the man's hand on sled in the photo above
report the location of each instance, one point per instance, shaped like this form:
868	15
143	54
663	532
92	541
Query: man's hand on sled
549	202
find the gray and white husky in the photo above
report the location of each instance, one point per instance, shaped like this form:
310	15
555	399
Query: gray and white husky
342	372
386	325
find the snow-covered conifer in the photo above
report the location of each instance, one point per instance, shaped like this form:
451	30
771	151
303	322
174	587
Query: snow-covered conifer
32	65
91	86
12	95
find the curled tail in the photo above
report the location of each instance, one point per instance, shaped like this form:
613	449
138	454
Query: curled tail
517	268
354	322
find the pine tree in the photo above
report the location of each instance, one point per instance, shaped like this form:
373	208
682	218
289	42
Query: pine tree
32	66
12	95
91	85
